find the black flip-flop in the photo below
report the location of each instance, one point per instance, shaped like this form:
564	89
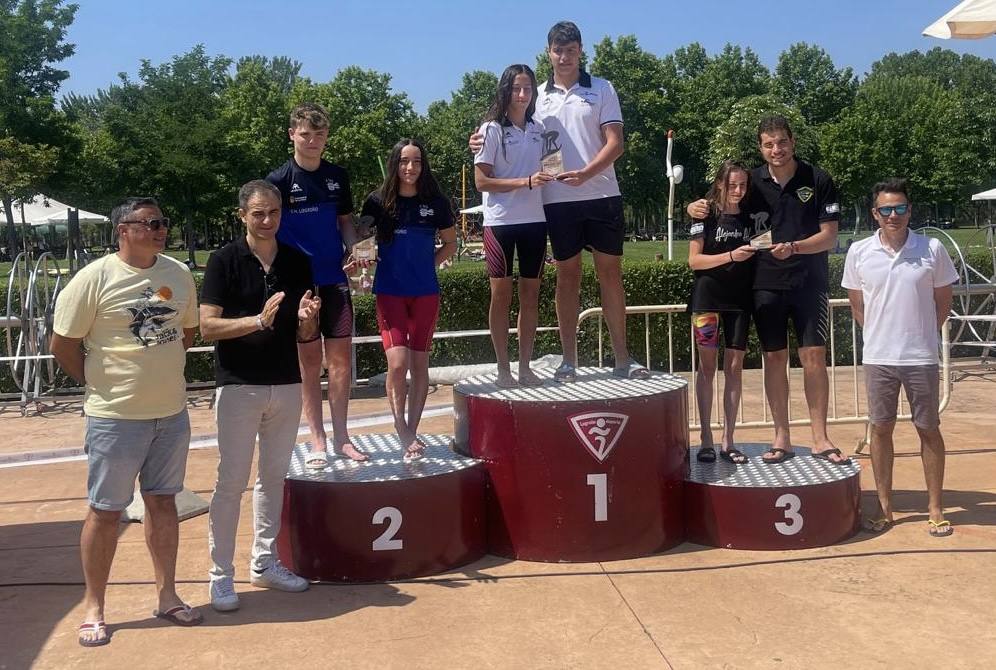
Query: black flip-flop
171	616
783	455
825	456
734	456
706	455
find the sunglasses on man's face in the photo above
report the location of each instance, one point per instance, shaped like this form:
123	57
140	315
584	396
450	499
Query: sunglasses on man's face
900	210
151	224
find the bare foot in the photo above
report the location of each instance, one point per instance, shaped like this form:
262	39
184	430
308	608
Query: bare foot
528	378
505	380
349	451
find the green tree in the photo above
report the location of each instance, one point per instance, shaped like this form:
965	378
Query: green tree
448	124
641	82
255	105
704	90
736	137
168	138
906	126
807	79
974	80
32	41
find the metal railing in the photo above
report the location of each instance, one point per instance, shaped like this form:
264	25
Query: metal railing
835	416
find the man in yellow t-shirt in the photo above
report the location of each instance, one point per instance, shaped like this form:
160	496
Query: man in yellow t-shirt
122	327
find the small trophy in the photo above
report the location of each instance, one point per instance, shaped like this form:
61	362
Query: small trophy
552	162
762	241
365	250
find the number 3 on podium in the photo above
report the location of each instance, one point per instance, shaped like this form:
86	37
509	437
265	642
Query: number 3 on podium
600	482
793	520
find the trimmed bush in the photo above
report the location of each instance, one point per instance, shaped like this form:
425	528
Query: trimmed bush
464	306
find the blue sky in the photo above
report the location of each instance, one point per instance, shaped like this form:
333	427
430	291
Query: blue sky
427	46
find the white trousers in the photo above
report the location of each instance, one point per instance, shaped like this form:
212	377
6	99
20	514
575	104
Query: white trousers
242	412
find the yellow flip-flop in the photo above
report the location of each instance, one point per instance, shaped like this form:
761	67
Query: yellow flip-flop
939	528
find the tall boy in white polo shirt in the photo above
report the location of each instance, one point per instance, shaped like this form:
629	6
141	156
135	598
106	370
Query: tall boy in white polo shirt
584	207
899	286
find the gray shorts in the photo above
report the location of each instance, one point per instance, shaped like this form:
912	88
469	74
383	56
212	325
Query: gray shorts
922	386
119	450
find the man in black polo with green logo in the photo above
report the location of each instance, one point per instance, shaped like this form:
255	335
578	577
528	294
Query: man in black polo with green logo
797	202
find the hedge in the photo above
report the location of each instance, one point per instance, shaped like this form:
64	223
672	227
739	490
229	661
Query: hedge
464	306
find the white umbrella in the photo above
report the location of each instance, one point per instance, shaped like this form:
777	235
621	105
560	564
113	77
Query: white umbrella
985	195
970	20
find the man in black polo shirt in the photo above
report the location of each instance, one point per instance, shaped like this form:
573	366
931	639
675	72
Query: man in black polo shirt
797	202
257	304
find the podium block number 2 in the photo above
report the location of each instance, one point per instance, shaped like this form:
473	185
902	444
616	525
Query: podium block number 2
387	541
793	520
600	482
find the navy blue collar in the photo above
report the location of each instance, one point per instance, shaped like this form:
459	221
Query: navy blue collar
584	80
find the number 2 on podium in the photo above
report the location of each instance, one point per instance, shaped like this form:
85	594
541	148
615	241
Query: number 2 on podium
387	541
600	482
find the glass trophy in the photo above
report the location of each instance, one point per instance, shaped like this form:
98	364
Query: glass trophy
762	241
552	162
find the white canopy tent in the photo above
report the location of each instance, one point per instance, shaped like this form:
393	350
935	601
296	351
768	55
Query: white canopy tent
985	195
44	211
970	20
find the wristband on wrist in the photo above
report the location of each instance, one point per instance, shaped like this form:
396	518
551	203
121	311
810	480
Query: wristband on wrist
530	182
259	322
795	248
731	257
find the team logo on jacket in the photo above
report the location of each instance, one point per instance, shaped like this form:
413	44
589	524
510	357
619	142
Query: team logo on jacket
804	193
599	431
332	185
425	211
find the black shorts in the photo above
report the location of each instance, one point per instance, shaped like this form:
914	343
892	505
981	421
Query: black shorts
501	243
336	316
736	326
595	225
808	309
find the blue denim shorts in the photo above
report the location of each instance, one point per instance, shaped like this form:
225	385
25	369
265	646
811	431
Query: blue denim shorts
119	450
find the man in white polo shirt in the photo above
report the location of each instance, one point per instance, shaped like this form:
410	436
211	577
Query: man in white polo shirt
900	287
584	208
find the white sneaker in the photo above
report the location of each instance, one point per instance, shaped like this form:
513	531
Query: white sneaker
276	576
223	596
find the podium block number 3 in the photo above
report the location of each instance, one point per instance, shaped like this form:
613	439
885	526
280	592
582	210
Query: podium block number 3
601	484
387	541
793	520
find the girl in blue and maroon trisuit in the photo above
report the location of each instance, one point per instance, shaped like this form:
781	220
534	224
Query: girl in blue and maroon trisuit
409	211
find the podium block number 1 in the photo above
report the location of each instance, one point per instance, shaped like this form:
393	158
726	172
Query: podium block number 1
387	541
600	482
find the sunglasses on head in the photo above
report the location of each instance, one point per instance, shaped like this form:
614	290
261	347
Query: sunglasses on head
889	209
151	224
